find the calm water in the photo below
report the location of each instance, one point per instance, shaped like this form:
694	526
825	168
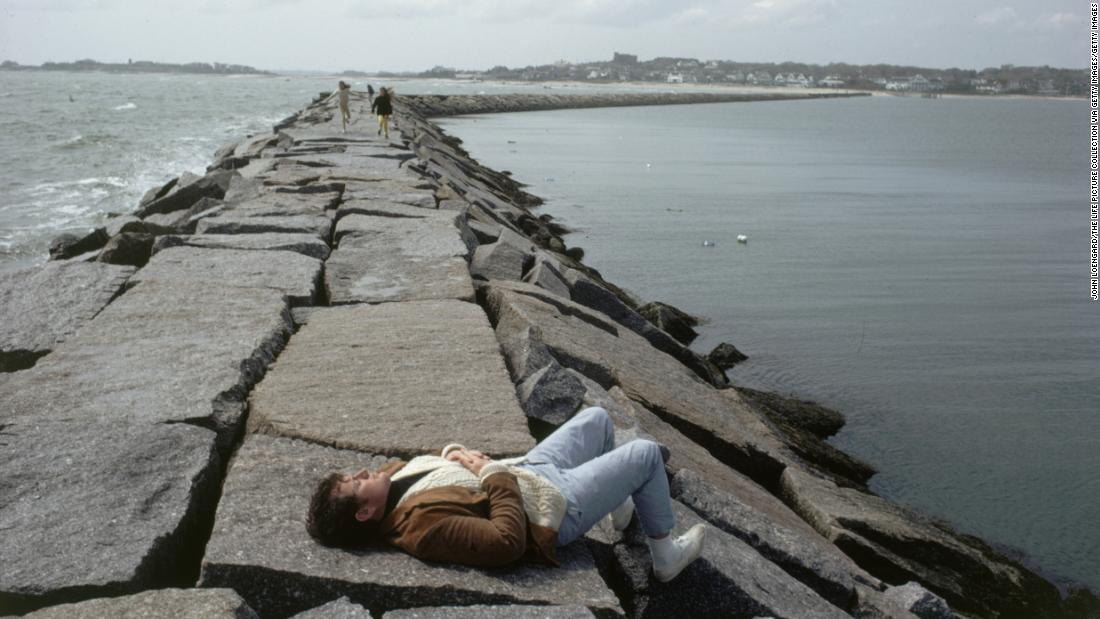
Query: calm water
920	265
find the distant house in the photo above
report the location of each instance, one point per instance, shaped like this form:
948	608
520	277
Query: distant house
919	83
831	81
779	80
737	77
675	78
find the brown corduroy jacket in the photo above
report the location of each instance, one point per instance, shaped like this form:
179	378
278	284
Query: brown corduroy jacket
452	524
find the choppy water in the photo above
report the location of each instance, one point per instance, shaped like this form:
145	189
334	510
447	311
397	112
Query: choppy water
77	146
920	265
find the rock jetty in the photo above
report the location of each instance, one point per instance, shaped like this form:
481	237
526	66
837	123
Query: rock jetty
175	383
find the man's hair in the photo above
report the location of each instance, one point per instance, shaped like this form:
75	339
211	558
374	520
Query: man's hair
331	520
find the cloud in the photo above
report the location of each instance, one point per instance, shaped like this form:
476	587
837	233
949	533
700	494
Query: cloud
1060	20
1000	16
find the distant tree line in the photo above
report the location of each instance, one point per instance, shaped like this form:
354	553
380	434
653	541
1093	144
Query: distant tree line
1006	79
138	66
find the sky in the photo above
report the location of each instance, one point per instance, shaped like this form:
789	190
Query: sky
414	35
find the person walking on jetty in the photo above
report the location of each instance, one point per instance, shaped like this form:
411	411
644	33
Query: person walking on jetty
463	507
370	93
383	107
344	93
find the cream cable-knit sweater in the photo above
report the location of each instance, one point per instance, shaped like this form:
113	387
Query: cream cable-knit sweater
544	503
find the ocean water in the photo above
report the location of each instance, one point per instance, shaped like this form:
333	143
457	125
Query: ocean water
75	146
920	265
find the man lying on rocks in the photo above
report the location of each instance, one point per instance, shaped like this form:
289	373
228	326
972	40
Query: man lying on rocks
463	507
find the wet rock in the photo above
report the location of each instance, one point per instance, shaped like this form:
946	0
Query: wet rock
141	490
898	546
128	248
305	244
43	306
160	603
725	356
809	416
274	564
671	320
67	246
213	185
158	192
432	366
587	292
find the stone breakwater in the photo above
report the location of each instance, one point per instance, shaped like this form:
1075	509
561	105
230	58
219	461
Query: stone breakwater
176	383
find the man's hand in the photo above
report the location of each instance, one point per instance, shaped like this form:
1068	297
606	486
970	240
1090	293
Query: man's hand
472	459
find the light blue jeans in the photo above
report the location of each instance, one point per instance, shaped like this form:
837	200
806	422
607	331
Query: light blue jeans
580	459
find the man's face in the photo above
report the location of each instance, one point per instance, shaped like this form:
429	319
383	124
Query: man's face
369	489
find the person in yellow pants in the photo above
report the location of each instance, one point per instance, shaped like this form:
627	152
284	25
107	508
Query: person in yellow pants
383	107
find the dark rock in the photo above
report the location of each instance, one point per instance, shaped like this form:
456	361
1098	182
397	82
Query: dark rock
485	233
158	192
41	307
213	185
130	518
546	274
552	394
671	320
804	414
513	611
725	356
274	564
128	248
167	603
66	246
898	546
588	292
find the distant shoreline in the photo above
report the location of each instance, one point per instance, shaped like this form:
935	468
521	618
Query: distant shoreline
140	66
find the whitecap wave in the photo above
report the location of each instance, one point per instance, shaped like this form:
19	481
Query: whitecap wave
126	106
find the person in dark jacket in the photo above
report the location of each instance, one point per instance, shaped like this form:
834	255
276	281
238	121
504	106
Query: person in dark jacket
383	107
463	507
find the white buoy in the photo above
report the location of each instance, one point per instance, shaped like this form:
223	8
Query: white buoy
708	243
741	238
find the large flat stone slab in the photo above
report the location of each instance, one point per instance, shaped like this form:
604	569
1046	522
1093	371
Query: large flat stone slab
157	604
404	192
42	306
305	244
242	222
295	275
381	259
535	327
274	564
397	378
94	507
166	351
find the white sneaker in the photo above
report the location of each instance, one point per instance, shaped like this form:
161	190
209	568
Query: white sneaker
671	556
620	518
